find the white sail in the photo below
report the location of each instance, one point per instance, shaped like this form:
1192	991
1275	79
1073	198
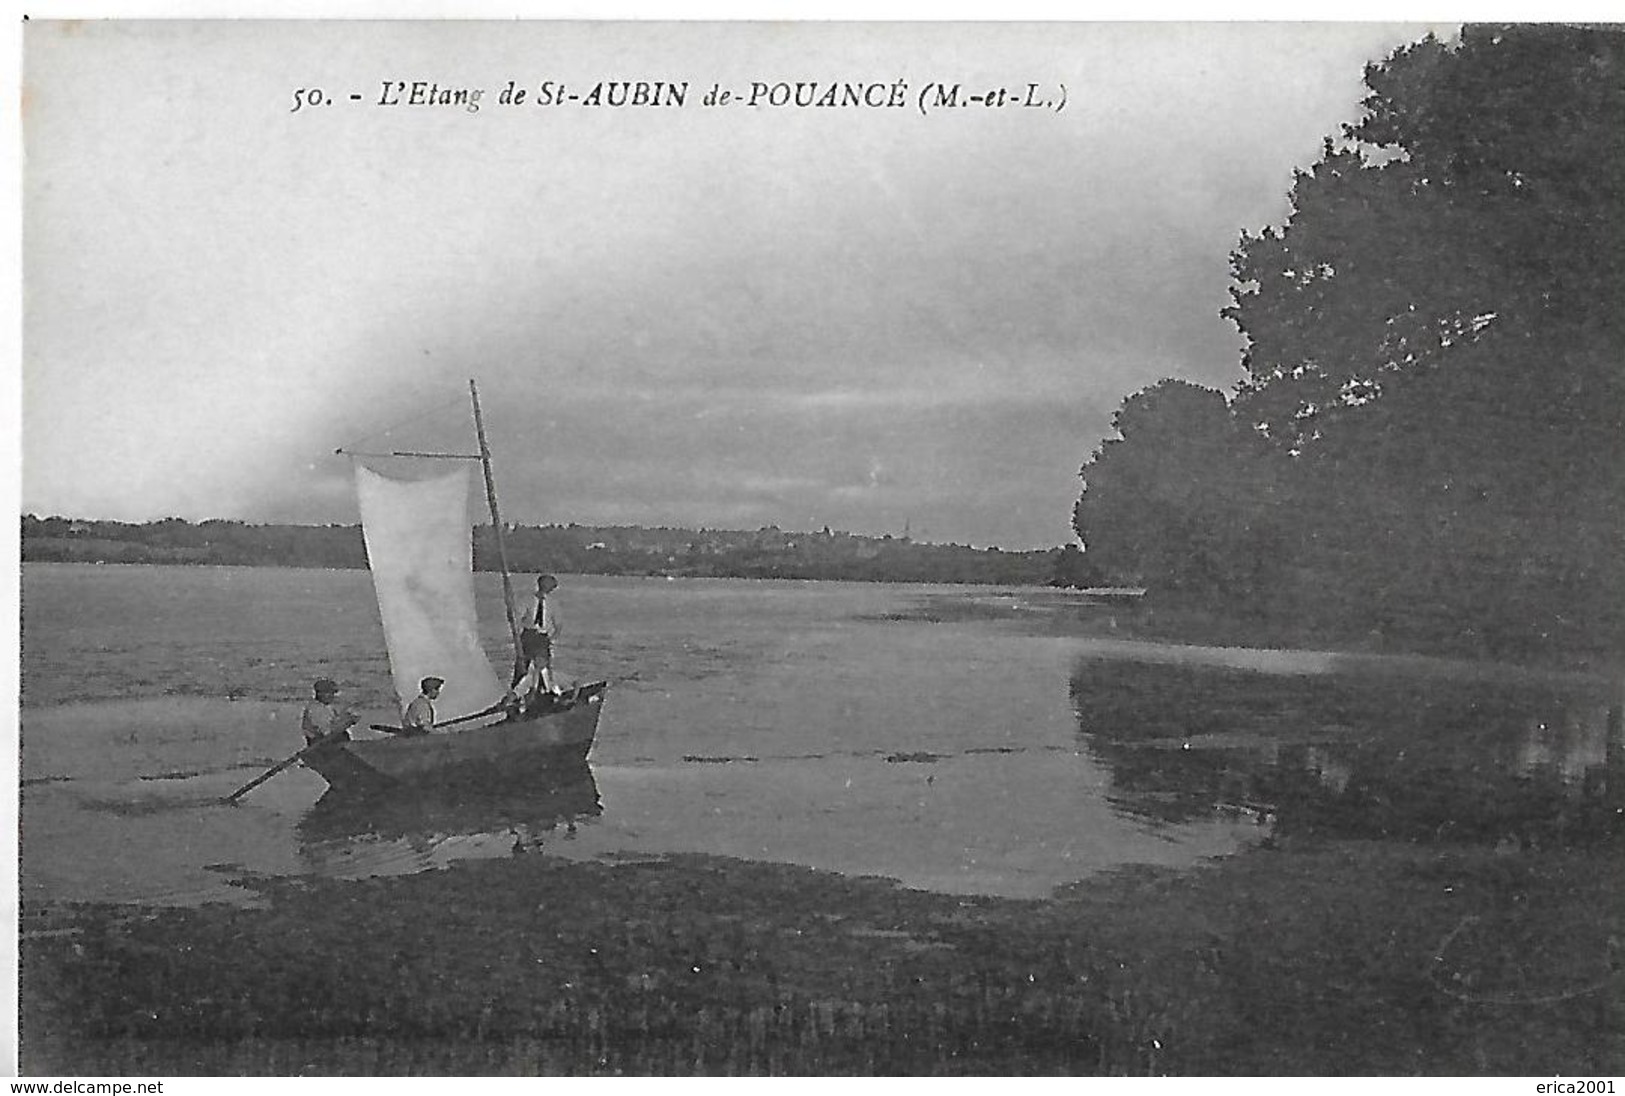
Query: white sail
421	555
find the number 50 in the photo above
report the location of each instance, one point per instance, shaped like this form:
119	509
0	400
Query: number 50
308	97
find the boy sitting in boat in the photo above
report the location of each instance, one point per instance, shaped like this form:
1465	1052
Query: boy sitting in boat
419	715
322	718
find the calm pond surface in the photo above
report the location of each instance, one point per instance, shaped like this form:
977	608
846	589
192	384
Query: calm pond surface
961	739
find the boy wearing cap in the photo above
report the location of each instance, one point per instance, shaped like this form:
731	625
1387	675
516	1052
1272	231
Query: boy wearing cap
419	716
322	718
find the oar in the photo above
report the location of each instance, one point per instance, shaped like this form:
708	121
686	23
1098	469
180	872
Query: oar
492	710
272	771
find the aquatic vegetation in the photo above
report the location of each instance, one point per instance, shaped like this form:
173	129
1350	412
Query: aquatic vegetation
1324	958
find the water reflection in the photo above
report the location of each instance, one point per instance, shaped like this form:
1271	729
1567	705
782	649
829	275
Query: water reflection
387	834
1363	755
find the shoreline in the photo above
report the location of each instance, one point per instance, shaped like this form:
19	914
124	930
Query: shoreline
1128	623
1306	957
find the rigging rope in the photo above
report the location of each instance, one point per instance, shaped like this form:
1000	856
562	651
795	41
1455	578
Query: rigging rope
386	430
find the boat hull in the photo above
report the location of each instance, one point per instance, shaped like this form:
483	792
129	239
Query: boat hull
509	754
564	796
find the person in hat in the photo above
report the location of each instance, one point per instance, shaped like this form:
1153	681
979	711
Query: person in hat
538	620
419	715
322	718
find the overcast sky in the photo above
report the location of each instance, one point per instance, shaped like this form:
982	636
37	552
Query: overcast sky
701	316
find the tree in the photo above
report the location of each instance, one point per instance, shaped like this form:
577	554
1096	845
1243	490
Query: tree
1178	500
1433	345
1471	220
1072	568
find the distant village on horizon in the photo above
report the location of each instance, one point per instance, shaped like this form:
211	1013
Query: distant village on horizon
768	552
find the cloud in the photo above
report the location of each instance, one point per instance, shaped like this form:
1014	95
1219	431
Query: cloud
683	317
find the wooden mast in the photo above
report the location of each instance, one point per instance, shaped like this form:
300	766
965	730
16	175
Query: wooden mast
496	525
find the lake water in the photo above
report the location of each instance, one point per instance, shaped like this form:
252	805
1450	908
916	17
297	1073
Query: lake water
961	739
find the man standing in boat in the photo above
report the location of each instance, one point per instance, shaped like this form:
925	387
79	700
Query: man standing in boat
539	625
322	717
419	715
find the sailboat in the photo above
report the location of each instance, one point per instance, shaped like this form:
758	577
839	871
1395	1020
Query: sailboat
420	554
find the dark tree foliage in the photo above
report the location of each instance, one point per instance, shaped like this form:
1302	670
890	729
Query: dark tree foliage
1433	366
1179	499
1470	223
1074	570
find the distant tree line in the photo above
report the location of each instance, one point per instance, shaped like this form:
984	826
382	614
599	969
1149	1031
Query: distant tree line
571	549
175	540
1429	439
